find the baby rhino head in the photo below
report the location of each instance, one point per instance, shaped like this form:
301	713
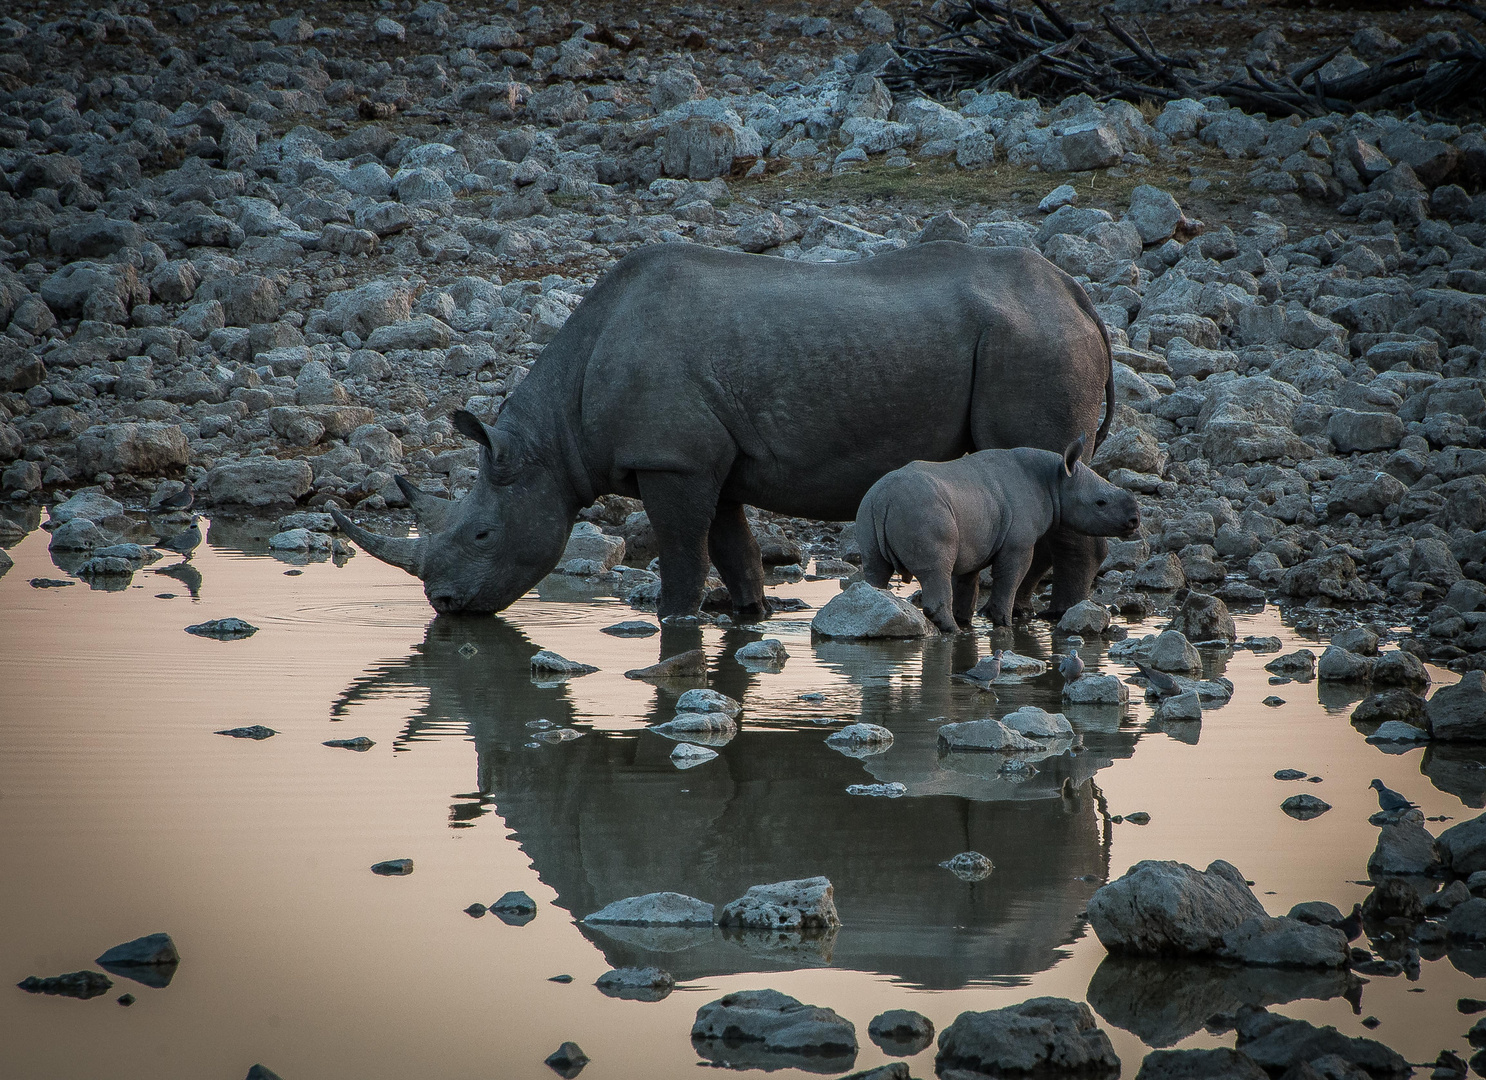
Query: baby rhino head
1091	504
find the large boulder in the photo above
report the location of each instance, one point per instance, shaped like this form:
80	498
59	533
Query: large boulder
1171	909
590	550
1043	1036
1405	847
1285	942
259	481
1204	617
1219	1064
1278	1042
1462	848
1155	213
803	904
703	139
655	909
138	449
862	611
1458	713
780	1026
984	735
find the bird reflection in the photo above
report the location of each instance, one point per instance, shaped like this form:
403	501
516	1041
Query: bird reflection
187	574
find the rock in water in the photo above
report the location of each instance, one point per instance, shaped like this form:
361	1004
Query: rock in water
257	731
262	1072
803	904
1097	690
77	984
393	868
1219	1064
229	629
688	755
864	612
687	665
991	736
1285	942
1171	909
1041	1036
655	909
151	950
860	740
1276	1042
901	1032
707	701
361	744
567	1060
631	628
1406	848
786	1031
1458	713
969	866
710	729
636	984
549	665
1462	847
514	908
1304	807
766	654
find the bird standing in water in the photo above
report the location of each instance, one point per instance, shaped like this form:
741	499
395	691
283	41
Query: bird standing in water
1352	924
184	542
1071	666
1161	682
1389	799
983	673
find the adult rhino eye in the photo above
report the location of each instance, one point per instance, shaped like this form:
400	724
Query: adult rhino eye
482	535
1100	502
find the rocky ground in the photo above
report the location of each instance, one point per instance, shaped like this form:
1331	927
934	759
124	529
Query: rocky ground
270	252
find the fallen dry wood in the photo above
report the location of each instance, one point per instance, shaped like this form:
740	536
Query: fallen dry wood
990	45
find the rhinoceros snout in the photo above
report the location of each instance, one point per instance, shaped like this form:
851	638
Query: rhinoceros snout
445	603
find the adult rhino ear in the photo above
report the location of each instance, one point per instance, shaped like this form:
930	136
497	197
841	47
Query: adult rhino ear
1074	454
500	462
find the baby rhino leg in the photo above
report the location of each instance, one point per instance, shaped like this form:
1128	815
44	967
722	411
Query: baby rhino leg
1007	570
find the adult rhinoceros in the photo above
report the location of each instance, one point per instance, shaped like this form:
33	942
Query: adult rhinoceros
704	381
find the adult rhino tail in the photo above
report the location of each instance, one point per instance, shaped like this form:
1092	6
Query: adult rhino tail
1109	385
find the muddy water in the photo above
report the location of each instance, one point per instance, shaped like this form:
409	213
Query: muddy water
122	813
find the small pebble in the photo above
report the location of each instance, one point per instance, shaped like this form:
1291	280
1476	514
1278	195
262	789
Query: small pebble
1289	774
1273	701
561	979
1140	817
126	999
1371	1022
476	911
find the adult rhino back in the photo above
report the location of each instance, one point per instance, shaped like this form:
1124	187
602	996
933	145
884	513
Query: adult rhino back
804	383
702	381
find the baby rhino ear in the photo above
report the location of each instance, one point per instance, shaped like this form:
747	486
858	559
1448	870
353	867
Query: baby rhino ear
1072	455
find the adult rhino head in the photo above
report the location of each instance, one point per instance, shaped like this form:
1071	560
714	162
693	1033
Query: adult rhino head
481	553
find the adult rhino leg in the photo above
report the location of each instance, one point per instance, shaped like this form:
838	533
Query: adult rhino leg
680	506
967	588
1076	562
735	553
1026	593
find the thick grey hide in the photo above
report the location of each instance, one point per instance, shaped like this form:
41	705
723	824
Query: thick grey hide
944	522
702	381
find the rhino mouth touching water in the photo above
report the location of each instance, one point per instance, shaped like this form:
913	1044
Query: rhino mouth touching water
706	381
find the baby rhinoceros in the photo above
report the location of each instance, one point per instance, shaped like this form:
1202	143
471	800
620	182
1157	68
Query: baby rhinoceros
943	522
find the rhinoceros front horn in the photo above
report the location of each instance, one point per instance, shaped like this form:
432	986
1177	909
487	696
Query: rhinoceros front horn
402	552
430	510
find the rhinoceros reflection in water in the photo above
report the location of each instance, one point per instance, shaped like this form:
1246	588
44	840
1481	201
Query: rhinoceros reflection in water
608	816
